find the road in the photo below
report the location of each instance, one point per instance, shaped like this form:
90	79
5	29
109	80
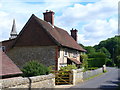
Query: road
108	80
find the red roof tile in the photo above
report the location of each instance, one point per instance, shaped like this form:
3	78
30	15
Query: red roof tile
75	60
7	66
8	44
57	35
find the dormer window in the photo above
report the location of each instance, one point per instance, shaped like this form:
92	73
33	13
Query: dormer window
2	48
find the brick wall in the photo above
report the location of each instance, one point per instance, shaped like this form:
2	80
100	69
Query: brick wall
43	54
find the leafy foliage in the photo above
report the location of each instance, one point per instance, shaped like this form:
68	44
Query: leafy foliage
84	58
34	68
92	68
68	68
105	51
109	62
96	60
113	46
90	49
118	59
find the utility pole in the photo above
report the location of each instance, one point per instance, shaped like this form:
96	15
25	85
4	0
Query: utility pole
113	57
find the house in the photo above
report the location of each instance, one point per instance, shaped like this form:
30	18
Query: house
41	40
8	67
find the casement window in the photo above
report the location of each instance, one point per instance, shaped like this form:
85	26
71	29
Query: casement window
2	48
75	54
65	53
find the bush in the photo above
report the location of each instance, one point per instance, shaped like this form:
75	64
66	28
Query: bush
92	68
109	62
118	60
68	68
84	61
96	60
104	71
52	67
34	68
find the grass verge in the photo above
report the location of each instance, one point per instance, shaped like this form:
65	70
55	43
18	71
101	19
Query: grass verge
93	76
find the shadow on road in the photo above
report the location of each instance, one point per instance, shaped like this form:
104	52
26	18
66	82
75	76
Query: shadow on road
112	85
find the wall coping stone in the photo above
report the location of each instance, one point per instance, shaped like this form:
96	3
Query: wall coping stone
11	82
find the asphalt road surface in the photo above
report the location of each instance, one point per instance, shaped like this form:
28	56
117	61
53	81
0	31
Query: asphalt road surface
109	80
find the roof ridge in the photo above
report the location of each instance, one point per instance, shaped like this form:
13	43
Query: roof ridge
57	35
47	31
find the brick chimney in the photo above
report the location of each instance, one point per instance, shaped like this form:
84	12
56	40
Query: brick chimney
49	16
74	34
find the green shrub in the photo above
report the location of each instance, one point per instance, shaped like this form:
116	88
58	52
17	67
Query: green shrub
92	68
109	62
96	60
65	71
34	68
118	60
104	71
68	68
84	61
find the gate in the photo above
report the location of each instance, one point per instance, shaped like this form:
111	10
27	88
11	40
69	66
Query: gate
63	77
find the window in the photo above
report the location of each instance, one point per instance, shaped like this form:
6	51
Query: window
75	54
65	53
2	48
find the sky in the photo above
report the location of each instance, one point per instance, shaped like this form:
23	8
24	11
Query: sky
95	20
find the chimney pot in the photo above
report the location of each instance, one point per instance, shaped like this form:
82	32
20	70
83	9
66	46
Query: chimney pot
49	16
74	34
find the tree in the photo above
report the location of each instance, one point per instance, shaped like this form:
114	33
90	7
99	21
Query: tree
97	59
112	45
90	49
118	59
105	51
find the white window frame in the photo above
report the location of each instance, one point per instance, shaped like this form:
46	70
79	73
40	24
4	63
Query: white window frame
65	53
75	54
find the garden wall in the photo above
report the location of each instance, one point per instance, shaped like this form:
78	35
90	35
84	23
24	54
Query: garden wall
79	76
90	73
43	81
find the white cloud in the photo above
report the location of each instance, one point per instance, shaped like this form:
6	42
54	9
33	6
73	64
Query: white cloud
98	20
85	13
99	30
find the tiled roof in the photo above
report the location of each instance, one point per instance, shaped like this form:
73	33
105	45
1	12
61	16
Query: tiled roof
7	66
60	36
75	60
54	35
8	44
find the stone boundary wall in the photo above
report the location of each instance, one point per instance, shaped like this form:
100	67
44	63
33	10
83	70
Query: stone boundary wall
90	73
43	81
79	76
